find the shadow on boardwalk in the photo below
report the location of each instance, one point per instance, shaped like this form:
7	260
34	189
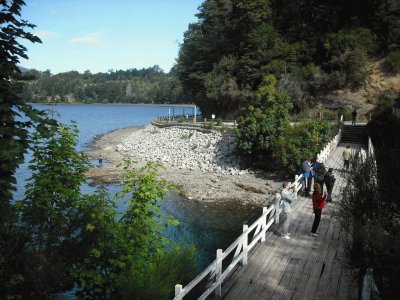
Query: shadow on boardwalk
303	267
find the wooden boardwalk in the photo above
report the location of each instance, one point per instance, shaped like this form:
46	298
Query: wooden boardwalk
303	267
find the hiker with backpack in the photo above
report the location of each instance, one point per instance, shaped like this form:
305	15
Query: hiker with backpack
329	180
319	175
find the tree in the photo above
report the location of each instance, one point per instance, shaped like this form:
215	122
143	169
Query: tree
16	118
302	141
53	215
130	251
220	34
13	130
261	126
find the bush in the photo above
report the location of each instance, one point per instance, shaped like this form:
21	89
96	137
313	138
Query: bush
208	125
303	141
392	62
261	127
158	279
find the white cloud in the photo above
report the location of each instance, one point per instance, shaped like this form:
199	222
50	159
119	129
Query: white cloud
86	40
44	34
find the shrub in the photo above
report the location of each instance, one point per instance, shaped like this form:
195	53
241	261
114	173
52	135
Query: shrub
261	127
392	62
302	141
208	125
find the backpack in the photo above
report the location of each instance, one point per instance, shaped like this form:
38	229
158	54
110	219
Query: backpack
329	179
320	173
320	178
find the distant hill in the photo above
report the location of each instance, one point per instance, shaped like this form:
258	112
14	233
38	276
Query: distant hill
148	85
365	97
23	70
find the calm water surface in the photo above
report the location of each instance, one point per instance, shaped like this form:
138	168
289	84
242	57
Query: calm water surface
208	226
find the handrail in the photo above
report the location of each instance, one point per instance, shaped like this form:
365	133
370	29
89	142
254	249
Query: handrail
242	243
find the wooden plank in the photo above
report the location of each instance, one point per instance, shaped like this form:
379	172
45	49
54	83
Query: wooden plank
293	250
291	269
257	271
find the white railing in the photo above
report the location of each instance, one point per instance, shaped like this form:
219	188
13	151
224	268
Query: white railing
242	246
324	153
246	241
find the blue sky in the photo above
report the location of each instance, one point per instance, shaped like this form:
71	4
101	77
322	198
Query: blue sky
99	35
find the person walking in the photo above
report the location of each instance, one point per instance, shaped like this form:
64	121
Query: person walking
319	175
329	180
354	117
318	201
288	196
346	157
306	167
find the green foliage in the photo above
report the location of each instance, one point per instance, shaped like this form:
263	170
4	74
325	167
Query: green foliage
131	255
164	270
222	87
358	38
51	218
150	85
187	136
313	47
392	62
16	118
347	51
62	239
360	214
208	125
304	140
13	131
260	128
369	206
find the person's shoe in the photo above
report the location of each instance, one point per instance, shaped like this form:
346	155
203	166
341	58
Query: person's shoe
314	234
286	237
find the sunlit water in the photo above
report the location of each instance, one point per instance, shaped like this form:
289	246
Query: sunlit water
208	226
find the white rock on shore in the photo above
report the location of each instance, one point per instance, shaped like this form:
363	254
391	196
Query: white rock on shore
184	149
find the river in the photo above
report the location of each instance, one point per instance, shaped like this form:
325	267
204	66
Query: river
207	225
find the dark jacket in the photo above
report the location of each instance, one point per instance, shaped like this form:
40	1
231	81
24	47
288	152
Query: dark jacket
319	175
329	179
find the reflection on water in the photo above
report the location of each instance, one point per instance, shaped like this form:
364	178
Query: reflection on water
209	226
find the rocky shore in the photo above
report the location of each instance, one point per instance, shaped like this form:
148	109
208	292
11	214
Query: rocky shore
202	163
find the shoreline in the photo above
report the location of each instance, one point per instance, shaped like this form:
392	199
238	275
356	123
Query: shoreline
242	187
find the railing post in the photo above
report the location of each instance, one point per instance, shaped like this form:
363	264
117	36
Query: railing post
178	289
264	223
218	273
245	244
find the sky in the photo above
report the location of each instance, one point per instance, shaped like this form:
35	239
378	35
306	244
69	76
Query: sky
99	35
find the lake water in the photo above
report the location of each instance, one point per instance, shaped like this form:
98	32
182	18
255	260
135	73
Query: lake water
208	226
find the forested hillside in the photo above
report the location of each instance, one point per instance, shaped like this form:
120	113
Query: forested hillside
150	85
312	47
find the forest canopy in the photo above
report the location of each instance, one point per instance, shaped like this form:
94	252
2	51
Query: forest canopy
311	47
147	85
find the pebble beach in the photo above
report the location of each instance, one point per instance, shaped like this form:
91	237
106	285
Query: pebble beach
202	163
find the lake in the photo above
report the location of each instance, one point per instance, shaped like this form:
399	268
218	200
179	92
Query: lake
208	226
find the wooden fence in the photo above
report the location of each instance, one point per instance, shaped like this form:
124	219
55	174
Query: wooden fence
246	241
